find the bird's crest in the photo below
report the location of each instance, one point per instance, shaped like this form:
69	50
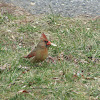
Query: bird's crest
43	37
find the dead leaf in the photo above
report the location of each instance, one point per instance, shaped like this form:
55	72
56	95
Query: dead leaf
24	72
90	78
61	56
96	60
52	59
68	57
76	61
61	73
56	78
22	91
23	67
31	83
13	37
90	57
9	31
5	66
75	76
32	3
83	61
9	86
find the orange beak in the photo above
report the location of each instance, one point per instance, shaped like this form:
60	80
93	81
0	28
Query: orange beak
49	43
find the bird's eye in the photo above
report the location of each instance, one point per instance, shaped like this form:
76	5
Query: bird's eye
46	41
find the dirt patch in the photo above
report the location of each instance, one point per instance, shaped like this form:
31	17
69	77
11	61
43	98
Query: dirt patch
8	8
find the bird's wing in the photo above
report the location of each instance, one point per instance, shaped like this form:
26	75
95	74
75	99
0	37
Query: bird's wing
31	54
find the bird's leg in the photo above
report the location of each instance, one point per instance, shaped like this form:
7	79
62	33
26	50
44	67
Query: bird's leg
51	58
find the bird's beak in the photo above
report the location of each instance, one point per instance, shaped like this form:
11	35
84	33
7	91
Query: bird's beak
49	43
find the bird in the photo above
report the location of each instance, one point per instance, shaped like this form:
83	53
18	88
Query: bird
40	52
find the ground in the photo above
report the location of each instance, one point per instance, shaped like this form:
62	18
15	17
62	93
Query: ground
75	74
66	8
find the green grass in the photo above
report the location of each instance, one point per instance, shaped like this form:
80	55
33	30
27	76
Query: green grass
76	74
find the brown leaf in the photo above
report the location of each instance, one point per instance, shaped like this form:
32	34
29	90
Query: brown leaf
31	83
61	56
23	91
32	3
24	72
56	78
5	66
23	67
83	61
90	78
75	76
68	57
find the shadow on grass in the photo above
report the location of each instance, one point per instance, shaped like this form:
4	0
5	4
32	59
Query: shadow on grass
21	97
28	63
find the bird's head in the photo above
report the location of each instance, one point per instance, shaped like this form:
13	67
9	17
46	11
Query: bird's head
44	40
44	43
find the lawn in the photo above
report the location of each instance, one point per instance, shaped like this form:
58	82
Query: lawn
75	74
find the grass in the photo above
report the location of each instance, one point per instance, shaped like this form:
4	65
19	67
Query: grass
76	74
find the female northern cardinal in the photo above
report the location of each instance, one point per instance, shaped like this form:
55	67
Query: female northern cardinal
40	52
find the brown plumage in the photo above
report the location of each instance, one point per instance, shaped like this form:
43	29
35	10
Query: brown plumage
40	52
